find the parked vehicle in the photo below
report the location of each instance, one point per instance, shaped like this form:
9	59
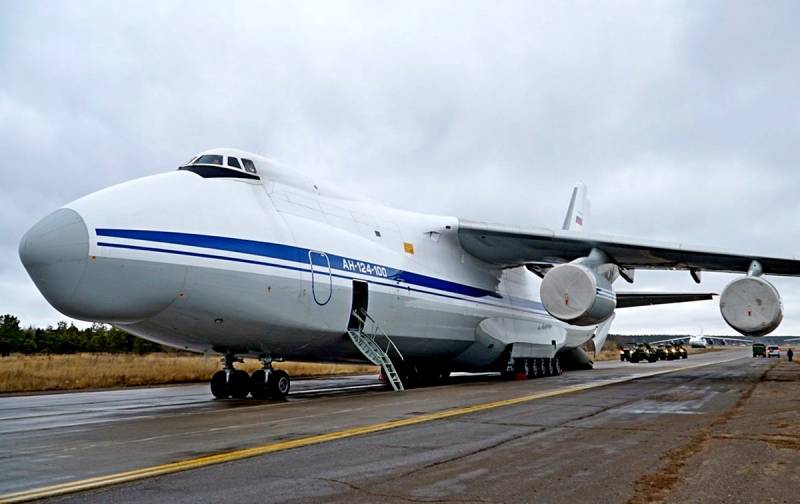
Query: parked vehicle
773	351
759	350
643	352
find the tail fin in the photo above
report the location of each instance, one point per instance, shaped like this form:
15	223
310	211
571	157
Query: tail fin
579	208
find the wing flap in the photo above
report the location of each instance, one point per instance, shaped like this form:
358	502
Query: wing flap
633	299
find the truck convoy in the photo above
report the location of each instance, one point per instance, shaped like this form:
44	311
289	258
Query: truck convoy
643	352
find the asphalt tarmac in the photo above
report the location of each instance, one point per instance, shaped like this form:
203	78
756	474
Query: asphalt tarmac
642	440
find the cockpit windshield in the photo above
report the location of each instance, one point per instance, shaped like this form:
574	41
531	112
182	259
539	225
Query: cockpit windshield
249	165
222	166
209	159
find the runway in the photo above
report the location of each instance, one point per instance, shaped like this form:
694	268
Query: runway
536	439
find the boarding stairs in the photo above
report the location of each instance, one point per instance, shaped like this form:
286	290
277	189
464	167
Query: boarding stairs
365	339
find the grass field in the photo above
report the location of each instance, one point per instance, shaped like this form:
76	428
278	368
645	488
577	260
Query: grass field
28	373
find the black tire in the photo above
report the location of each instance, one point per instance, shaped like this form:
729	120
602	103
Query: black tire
278	384
238	384
219	385
557	367
258	384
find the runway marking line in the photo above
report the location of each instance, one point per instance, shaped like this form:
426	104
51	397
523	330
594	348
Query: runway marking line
207	460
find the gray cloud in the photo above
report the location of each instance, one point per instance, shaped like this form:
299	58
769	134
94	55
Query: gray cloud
681	116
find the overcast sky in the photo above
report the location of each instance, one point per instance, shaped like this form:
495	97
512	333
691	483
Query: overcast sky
682	117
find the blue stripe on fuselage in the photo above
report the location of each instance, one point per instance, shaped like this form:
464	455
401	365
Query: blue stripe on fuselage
288	253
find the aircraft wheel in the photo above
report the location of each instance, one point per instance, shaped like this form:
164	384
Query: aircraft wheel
239	384
219	385
531	367
258	384
278	384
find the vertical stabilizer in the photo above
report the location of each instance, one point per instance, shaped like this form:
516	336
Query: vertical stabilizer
578	211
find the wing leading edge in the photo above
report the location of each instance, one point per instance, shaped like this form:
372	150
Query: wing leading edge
509	246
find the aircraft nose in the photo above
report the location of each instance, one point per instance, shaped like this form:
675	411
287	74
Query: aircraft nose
55	252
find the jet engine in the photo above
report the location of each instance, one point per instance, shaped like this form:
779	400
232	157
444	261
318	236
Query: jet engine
751	305
577	294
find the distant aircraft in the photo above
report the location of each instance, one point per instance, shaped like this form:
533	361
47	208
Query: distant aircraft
701	341
234	254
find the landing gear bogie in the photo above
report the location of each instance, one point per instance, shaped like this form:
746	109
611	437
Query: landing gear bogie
522	368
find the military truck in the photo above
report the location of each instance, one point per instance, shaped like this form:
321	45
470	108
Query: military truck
759	350
643	352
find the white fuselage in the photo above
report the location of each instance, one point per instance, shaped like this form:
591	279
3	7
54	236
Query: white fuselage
697	341
267	267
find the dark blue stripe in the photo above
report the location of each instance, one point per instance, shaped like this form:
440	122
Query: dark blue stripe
195	254
293	254
516	303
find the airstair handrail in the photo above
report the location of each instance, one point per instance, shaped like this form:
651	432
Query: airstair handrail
390	343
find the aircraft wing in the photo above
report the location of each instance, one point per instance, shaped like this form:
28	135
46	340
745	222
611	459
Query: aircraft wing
669	340
723	338
632	299
729	338
509	246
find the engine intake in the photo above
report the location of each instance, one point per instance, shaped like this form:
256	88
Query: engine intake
752	306
576	294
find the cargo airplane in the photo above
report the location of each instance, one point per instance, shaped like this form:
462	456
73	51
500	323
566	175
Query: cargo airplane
702	341
233	254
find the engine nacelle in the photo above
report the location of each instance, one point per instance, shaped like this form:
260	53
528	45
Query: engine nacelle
575	294
752	306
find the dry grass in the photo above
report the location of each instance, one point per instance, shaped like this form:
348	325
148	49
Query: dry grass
28	373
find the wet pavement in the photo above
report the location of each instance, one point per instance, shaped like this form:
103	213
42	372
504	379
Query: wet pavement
630	441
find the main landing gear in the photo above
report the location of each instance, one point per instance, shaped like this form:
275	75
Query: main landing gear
265	383
525	368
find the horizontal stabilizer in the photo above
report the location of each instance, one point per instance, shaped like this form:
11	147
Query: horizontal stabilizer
632	299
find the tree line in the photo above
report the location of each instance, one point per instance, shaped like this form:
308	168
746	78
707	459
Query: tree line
64	338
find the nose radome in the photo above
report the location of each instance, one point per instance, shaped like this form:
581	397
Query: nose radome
55	252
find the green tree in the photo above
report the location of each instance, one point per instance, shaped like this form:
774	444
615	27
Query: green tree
11	335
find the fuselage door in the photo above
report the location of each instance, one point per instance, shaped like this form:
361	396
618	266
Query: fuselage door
321	281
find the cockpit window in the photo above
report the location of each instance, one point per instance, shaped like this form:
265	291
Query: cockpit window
232	161
249	165
209	159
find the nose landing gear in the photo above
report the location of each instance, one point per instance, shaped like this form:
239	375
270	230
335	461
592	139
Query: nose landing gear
229	381
266	383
